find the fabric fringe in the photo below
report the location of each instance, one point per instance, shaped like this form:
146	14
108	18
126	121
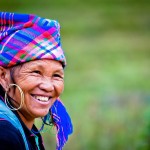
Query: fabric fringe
62	122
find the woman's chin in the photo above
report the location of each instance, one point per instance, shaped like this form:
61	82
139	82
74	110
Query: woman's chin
40	113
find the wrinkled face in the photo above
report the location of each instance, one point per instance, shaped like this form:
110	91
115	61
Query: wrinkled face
42	82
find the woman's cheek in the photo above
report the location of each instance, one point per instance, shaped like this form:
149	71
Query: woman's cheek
59	86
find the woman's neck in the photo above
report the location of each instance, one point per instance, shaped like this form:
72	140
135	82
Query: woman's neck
28	122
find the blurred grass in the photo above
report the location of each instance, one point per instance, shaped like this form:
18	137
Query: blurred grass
107	77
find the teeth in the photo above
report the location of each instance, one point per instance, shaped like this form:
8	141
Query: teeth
42	98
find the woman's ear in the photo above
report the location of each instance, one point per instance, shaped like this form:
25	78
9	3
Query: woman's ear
4	77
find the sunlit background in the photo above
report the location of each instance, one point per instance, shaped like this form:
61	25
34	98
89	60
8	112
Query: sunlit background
107	79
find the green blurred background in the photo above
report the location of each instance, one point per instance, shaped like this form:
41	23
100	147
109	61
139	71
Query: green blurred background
107	79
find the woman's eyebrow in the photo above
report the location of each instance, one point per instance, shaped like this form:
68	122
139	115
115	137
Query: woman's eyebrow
33	65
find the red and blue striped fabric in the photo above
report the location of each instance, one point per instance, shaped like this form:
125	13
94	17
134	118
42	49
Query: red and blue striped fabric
26	37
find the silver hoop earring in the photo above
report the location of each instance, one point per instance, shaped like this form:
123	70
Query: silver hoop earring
21	94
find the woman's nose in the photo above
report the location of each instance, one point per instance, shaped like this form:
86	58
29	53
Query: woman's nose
47	85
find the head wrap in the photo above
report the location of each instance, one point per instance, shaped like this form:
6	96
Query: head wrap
27	37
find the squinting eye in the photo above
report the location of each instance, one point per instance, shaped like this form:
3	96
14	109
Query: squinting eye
59	76
36	71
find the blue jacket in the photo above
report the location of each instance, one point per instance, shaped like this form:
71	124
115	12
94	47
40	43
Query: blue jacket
18	134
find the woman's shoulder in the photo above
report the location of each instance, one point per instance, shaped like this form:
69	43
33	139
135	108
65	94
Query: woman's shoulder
7	126
10	137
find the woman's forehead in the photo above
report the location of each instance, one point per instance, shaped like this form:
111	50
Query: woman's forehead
43	64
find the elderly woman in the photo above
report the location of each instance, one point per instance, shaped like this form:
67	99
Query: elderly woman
31	80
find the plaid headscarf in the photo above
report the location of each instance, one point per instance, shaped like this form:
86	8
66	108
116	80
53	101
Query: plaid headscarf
26	37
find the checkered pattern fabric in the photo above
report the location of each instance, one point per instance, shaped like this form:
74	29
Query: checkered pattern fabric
26	37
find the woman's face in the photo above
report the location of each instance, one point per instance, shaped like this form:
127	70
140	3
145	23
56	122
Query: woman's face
42	82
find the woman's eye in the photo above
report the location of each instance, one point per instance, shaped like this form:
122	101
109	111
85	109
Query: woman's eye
36	71
58	75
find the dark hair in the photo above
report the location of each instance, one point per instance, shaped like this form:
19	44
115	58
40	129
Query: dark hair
2	91
12	71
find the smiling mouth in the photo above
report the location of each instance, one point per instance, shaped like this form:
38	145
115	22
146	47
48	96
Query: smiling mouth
42	98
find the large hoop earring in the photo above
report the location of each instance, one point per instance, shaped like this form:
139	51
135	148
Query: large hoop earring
7	101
